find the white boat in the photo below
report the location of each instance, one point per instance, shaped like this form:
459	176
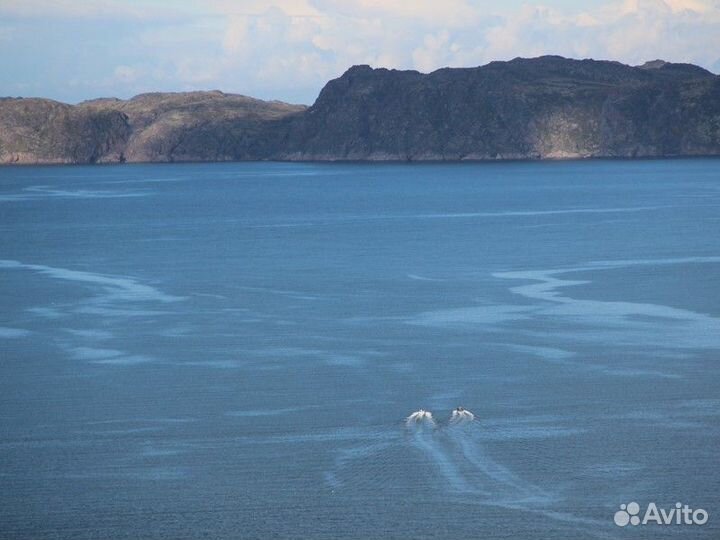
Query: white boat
461	415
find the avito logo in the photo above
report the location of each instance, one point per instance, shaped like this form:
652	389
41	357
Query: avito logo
680	515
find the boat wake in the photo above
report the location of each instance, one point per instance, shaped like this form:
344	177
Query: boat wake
463	465
456	465
456	452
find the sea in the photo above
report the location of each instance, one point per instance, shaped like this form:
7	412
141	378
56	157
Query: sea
231	350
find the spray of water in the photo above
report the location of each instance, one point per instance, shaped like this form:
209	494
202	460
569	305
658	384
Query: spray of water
420	418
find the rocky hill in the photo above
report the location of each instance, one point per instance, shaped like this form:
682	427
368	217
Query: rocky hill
547	107
190	126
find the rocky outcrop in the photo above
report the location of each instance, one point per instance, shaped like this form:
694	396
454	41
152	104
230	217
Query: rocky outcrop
45	131
547	107
190	126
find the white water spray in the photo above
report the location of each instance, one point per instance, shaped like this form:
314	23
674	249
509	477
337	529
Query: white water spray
421	417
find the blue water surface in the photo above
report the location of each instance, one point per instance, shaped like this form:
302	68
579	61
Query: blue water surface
230	350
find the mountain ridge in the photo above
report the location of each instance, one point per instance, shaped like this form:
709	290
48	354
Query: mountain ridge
548	107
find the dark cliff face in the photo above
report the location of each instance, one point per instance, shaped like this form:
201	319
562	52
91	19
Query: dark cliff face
548	107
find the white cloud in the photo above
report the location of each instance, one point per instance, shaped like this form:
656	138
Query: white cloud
631	31
446	13
289	48
306	38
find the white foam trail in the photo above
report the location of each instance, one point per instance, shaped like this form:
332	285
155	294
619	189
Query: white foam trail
81	193
41	192
6	332
470	471
467	215
116	288
427	441
423	278
526	213
487	315
514	488
109	292
624	322
425	438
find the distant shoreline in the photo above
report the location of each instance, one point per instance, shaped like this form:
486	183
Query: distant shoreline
374	162
546	108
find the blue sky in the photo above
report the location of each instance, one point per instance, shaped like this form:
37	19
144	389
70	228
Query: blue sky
72	50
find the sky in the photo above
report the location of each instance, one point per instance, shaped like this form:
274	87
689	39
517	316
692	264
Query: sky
71	50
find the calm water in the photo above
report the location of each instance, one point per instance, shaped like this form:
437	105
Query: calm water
229	350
